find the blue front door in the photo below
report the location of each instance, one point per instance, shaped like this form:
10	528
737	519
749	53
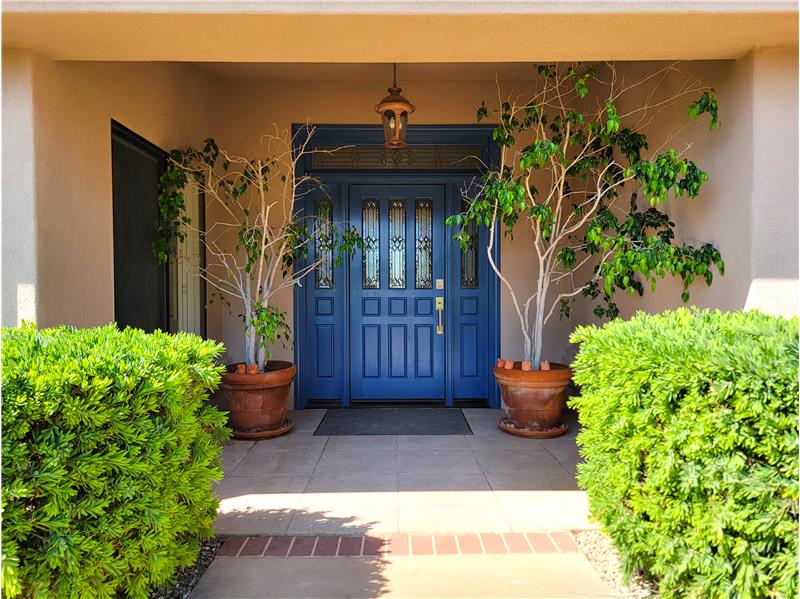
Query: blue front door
366	326
370	325
397	293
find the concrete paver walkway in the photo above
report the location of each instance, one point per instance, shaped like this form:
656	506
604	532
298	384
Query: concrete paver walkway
486	482
482	515
553	575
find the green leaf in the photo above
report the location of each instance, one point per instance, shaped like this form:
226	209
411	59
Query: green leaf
612	116
706	104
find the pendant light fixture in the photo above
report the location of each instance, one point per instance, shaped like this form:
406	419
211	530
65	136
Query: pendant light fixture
394	110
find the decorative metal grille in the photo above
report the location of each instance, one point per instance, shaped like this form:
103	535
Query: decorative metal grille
397	243
469	255
423	260
421	157
371	235
323	249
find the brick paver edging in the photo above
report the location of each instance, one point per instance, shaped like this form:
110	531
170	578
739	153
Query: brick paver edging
409	544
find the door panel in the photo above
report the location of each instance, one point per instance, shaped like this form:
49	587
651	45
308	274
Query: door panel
469	310
396	351
322	358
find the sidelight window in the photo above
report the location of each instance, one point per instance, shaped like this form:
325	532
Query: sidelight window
323	250
469	255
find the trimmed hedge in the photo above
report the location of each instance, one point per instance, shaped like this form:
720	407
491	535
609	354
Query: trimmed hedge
690	439
109	451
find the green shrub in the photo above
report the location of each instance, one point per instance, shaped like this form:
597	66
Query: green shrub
109	450
690	439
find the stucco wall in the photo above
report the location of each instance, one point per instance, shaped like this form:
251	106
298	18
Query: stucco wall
19	208
720	214
752	162
749	206
774	198
73	106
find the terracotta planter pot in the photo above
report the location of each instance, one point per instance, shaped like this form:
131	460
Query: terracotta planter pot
258	402
533	400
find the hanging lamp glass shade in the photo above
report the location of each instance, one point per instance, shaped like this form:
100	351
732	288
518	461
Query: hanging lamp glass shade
394	110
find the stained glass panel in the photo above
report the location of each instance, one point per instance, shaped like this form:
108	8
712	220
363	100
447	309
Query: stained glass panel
423	219
419	157
323	250
397	243
469	255
371	235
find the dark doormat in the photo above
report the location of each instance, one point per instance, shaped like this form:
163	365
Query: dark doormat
394	421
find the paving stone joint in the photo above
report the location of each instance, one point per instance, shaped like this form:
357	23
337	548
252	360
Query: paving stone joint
399	544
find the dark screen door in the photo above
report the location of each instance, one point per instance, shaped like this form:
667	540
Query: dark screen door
140	285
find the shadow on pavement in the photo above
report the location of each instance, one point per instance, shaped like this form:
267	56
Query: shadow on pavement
304	577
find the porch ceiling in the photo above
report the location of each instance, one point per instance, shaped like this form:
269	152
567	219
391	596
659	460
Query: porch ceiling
346	32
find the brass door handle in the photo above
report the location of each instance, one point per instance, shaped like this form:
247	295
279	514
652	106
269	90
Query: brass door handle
440	310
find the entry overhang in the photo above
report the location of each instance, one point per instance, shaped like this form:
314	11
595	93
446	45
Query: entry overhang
344	32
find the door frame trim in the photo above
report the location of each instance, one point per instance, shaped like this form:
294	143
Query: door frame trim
342	135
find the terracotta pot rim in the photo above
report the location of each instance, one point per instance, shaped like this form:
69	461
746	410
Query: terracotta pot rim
282	373
553	366
272	366
558	374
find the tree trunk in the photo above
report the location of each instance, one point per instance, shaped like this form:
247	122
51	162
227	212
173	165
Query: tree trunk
538	320
538	316
262	357
538	325
528	353
249	341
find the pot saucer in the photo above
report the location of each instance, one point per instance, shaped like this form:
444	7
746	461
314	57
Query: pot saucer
506	426
268	434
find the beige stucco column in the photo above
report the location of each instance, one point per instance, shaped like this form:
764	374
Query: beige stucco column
774	208
775	192
19	278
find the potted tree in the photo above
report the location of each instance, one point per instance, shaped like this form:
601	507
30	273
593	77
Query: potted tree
252	254
573	164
